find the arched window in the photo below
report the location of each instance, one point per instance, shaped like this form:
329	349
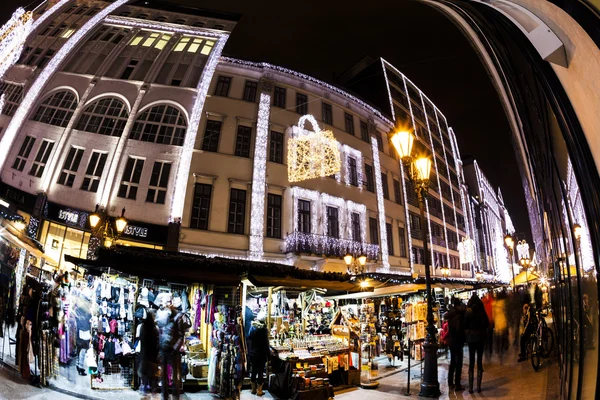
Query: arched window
160	124
57	109
106	116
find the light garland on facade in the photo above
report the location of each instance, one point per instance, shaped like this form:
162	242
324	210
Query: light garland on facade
309	195
259	176
380	207
183	170
430	235
387	86
576	204
46	73
43	17
232	257
411	261
324	245
336	202
312	154
361	209
348	152
19	273
2	102
162	26
449	175
466	251
12	37
306	79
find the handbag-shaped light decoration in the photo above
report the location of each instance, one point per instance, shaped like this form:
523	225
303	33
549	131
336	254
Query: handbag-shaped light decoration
312	154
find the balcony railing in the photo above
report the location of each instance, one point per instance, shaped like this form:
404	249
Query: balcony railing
310	243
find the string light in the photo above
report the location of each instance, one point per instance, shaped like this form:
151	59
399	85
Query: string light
309	195
43	17
12	37
380	207
183	170
233	257
45	74
576	204
336	202
2	102
164	27
360	209
411	261
259	175
466	251
348	152
312	154
387	86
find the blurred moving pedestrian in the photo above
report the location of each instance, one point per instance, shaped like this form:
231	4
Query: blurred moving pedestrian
148	366
500	323
258	352
456	342
476	325
488	305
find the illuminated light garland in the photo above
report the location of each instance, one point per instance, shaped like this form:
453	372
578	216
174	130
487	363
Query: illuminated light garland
241	258
183	170
430	236
380	207
336	202
576	204
411	262
476	239
259	176
307	79
306	194
312	154
387	86
2	102
312	243
12	37
466	251
43	17
523	250
348	152
46	73
19	273
448	173
361	209
163	26
510	228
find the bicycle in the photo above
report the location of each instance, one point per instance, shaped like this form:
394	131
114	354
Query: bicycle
541	342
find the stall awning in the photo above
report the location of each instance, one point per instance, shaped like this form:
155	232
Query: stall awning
188	268
526	277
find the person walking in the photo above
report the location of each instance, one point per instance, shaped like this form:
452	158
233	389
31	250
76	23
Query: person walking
488	305
258	352
456	343
476	325
500	323
148	364
529	323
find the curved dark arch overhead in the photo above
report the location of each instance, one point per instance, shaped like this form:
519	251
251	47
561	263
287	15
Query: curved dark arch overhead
547	139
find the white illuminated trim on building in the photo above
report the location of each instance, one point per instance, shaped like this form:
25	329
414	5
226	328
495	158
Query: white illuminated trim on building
456	167
46	73
183	171
14	34
336	202
576	204
233	257
380	207
348	152
310	195
43	17
387	86
164	27
361	209
432	259
411	261
259	176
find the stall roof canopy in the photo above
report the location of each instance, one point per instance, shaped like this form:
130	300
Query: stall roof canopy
188	268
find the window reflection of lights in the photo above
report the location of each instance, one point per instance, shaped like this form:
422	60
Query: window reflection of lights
136	40
162	42
151	39
194	46
182	43
207	48
67	34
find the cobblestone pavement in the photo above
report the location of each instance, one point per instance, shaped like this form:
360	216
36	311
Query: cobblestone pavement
503	379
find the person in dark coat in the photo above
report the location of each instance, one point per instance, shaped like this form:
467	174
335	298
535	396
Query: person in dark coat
258	352
476	325
148	366
456	342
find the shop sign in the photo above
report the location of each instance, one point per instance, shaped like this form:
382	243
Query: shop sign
66	215
20	198
149	233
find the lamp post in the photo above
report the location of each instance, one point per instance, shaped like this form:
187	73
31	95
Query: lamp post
418	173
445	272
355	266
524	261
510	243
102	228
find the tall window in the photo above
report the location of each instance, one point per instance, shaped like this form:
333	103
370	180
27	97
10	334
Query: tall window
13	94
242	141
355	227
223	85
279	97
384	185
333	222
157	189
276	147
70	167
397	192
23	154
274	216
56	109
349	123
237	211
250	91
364	131
212	133
327	113
402	238
304	224
131	178
39	163
201	206
373	231
106	116
390	239
160	124
369	174
301	103
353	171
129	69
94	170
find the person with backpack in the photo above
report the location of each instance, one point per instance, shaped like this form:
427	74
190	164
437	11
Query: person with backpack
456	341
476	326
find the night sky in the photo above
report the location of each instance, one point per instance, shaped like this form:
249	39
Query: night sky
325	38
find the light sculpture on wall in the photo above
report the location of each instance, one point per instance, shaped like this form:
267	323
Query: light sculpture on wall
466	251
12	37
312	154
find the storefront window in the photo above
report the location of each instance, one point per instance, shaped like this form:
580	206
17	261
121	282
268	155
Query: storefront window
60	240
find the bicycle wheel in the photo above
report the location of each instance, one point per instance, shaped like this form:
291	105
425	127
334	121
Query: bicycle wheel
547	341
535	353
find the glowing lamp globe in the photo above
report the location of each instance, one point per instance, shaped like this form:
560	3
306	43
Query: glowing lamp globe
94	220
403	142
423	168
362	259
577	230
121	224
509	241
348	259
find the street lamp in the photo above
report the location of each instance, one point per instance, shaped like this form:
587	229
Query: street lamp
102	227
418	174
445	272
478	276
510	243
355	266
524	261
